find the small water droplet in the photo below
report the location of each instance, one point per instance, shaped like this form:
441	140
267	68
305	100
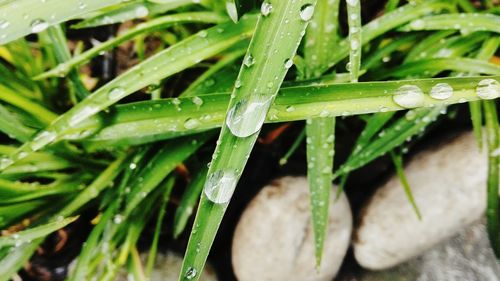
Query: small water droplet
191	273
132	166
237	84
116	93
409	96
354	44
290	108
5	162
306	12
245	118
4	24
197	101
288	63
249	60
488	89
417	24
42	139
191	123
38	25
141	11
266	8
441	91
220	186
118	219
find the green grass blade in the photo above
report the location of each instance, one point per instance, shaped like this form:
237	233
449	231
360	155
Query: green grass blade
383	54
465	23
42	14
442	64
493	206
129	11
355	37
149	26
388	22
25	236
188	202
136	123
321	37
397	159
278	33
419	51
298	141
186	53
12	126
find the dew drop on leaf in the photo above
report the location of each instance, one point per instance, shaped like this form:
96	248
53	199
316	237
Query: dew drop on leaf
441	91
4	24
141	11
116	93
191	123
488	89
306	12
288	63
220	186
38	25
249	60
266	8
409	96
191	273
245	118
42	139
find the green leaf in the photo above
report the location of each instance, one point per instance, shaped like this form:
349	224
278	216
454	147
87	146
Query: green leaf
278	33
466	23
397	159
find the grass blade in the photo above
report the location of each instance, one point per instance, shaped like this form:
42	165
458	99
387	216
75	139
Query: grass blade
277	36
41	15
397	159
168	62
321	37
355	37
465	23
150	26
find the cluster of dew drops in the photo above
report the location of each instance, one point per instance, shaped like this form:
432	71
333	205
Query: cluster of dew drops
411	96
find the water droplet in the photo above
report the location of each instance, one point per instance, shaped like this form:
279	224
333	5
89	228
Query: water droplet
220	186
441	91
288	63
306	12
5	162
266	8
488	89
352	2
141	11
409	96
237	84
290	108
197	101
191	273
83	114
38	25
417	24
132	166
249	60
116	93
245	118
232	11
191	123
42	139
4	24
118	219
354	44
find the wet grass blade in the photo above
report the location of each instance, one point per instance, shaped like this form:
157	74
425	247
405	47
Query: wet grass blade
465	23
25	236
355	37
149	26
493	205
278	33
129	11
188	202
23	17
136	123
178	57
397	159
321	37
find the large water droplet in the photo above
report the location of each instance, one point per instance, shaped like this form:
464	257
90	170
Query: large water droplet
232	11
38	25
220	186
266	8
191	273
306	12
409	96
116	93
441	91
488	89
245	118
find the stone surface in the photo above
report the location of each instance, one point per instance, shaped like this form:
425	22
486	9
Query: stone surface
273	240
466	256
449	186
